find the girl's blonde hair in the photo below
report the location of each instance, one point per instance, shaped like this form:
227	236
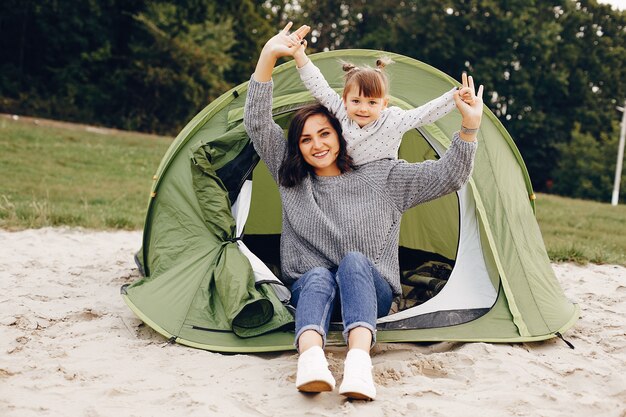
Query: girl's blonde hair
371	82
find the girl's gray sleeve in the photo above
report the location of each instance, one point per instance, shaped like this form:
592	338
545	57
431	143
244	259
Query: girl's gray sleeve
267	136
314	81
427	113
410	184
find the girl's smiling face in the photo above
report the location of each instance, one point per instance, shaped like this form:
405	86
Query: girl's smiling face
361	109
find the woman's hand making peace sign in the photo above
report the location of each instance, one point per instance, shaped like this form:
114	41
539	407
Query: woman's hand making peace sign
470	104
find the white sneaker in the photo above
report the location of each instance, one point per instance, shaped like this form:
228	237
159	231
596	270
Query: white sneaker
313	373
357	381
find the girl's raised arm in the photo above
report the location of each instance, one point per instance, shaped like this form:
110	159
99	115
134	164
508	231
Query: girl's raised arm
427	113
439	107
319	88
411	184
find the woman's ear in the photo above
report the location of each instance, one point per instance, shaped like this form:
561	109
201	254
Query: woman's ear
385	102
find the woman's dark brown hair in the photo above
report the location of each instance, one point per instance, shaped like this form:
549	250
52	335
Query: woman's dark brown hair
294	168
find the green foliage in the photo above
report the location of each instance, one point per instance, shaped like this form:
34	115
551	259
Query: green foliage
138	65
182	60
251	30
586	168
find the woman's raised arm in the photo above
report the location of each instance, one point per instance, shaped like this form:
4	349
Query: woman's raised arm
267	137
281	44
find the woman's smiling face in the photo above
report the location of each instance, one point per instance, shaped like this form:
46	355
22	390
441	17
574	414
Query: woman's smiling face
319	145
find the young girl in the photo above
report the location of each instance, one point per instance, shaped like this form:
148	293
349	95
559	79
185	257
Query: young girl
372	130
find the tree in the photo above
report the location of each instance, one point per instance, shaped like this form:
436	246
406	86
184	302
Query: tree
44	71
137	65
251	29
586	168
177	65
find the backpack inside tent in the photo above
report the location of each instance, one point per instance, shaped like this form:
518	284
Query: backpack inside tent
473	263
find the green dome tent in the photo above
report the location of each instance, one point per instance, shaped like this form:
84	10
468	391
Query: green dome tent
208	285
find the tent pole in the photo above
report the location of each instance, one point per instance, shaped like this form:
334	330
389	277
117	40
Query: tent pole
620	157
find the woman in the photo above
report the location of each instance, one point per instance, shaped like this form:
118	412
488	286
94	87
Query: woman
341	225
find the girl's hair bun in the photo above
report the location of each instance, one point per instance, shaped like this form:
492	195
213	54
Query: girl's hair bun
347	66
383	61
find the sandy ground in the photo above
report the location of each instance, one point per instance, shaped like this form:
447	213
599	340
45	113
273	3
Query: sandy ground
69	346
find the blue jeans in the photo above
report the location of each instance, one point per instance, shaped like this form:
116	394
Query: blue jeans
355	287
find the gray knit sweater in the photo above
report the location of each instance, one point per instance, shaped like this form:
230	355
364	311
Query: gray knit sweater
324	218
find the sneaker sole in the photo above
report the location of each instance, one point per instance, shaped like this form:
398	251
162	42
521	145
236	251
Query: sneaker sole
315	386
357	396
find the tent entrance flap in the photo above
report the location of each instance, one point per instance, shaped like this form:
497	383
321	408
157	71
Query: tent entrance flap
262	274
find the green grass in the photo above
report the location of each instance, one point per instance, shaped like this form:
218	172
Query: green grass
53	176
582	231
